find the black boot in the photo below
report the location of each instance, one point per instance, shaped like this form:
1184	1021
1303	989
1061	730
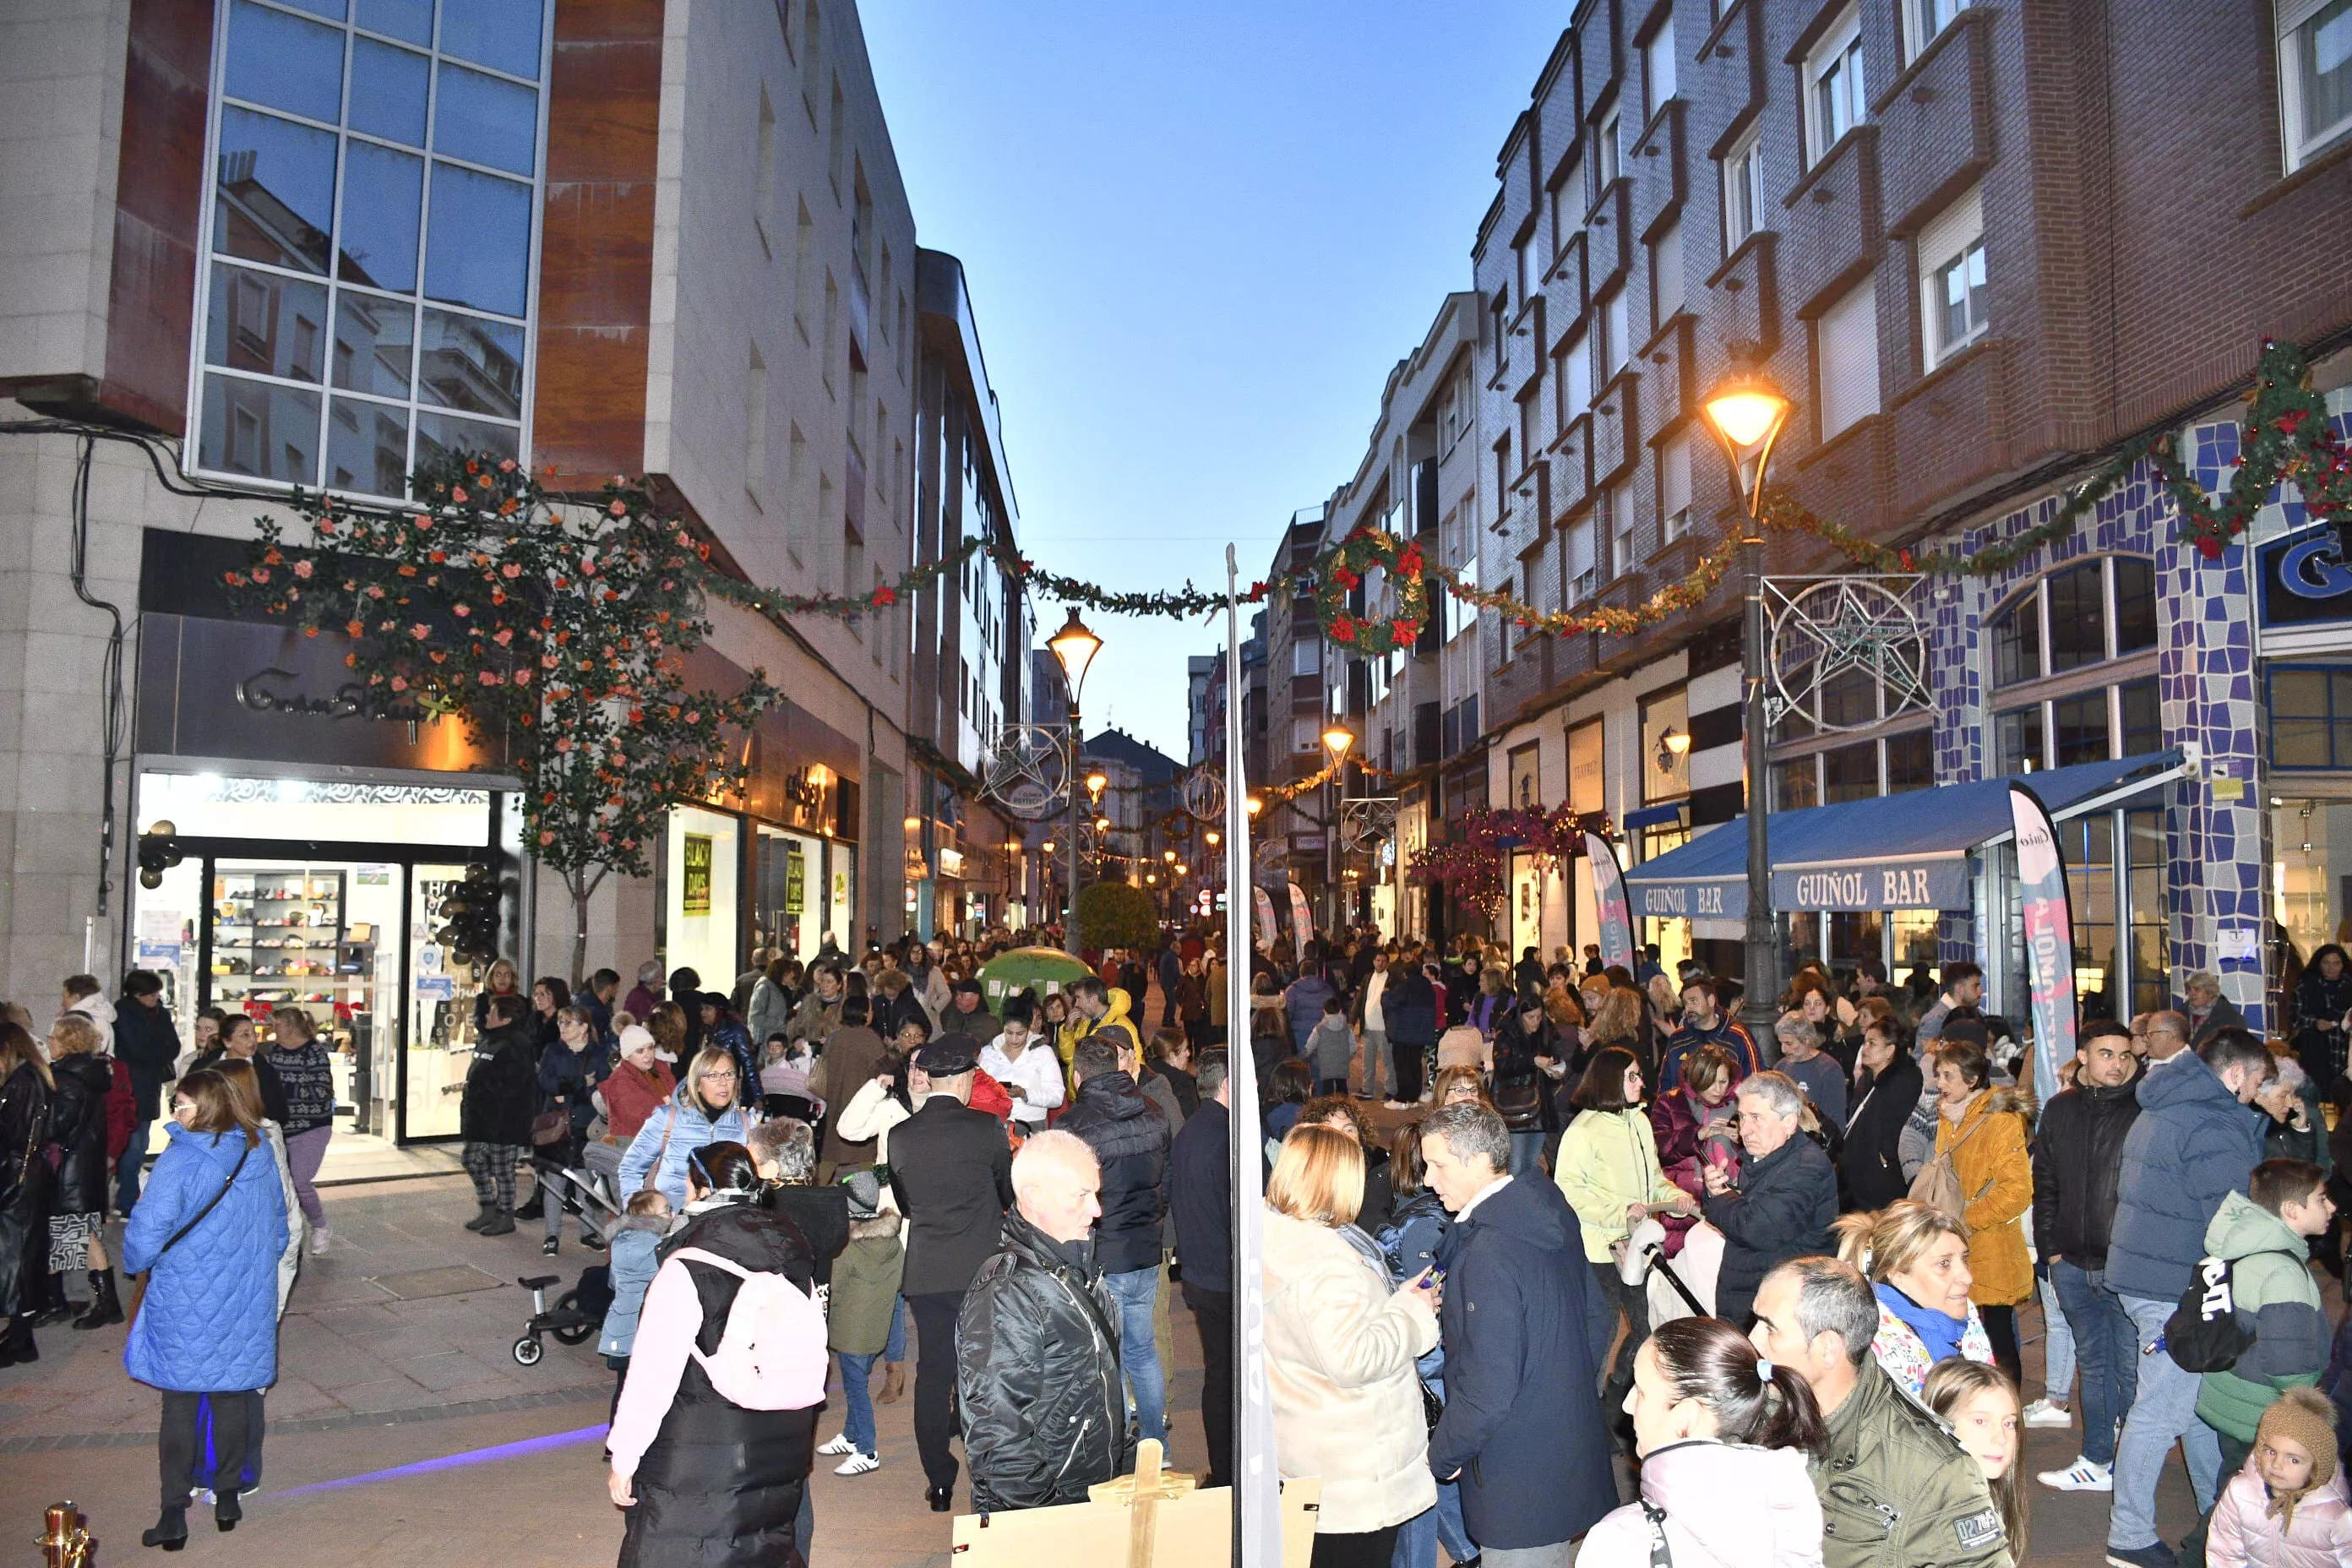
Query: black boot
55	1306
226	1511
536	1207
170	1532
21	1347
105	1305
490	1212
501	1222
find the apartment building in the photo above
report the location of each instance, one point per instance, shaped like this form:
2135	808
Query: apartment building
292	243
1980	247
1293	837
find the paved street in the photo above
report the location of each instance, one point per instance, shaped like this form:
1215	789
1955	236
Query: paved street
400	1411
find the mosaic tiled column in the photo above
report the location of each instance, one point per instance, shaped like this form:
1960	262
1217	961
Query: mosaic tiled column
2205	672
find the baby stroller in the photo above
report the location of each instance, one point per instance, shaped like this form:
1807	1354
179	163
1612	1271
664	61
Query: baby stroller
580	1191
578	1313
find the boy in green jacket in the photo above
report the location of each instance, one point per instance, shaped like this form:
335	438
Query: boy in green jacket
2264	1236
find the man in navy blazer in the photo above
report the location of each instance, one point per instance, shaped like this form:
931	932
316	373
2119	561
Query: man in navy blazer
1522	1430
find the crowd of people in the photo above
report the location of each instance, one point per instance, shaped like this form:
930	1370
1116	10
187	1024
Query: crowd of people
1539	1238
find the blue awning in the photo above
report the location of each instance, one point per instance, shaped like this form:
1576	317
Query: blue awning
1906	851
1668	815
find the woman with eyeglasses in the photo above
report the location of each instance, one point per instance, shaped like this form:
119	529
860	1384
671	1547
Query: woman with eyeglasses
706	1472
707	1108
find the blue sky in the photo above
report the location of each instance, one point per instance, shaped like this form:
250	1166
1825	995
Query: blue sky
1198	237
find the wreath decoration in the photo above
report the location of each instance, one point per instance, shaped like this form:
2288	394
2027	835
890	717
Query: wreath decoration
1344	571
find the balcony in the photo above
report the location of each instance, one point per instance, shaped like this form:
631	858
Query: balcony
1830	225
861	314
1936	122
1610	225
1616	439
1672	378
1948	429
1658	164
1745	298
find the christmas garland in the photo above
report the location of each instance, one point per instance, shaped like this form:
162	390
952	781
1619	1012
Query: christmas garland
1606	620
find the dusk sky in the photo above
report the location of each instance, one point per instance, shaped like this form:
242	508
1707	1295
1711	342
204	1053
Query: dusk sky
1198	237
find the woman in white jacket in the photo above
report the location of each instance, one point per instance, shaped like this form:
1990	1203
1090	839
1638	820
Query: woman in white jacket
1723	1436
1341	1347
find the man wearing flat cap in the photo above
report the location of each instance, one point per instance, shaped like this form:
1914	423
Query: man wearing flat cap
952	1169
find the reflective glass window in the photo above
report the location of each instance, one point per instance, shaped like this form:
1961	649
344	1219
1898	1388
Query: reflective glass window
472	363
388	92
503	35
2017	640
480	250
2078	616
2135	605
410	19
375	338
367	445
274	191
266	322
1910	761
285	62
260	430
381	214
439	434
2078	725
485	120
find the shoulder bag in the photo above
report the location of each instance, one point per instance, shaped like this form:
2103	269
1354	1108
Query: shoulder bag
1938	1185
182	1234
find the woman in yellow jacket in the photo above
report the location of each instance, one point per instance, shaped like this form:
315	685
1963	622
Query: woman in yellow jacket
1984	1130
1608	1170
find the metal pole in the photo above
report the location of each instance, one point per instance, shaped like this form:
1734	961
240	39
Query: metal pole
1763	988
1070	924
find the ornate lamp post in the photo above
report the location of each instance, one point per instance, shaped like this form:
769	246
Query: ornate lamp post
1746	412
1337	741
1074	647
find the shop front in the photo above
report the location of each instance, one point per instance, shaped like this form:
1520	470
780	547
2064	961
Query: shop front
317	835
2303	614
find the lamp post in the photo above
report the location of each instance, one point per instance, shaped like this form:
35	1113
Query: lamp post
1746	412
1337	740
1074	647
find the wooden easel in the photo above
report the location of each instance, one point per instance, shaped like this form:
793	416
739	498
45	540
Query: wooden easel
1151	1518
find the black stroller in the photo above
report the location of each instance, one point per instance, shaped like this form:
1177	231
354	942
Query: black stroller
577	1314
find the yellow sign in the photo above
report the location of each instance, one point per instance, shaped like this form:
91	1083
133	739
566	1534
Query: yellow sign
694	875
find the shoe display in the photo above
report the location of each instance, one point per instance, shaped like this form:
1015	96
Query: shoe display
860	1465
837	1447
2082	1476
2154	1555
2042	1413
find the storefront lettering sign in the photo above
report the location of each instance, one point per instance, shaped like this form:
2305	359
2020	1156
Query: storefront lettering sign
1684	900
795	881
272	691
1921	885
694	876
2304	579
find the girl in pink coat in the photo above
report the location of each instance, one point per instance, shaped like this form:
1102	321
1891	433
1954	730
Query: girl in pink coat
2288	1508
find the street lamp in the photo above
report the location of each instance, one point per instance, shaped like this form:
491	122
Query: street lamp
1097	782
1074	647
1748	412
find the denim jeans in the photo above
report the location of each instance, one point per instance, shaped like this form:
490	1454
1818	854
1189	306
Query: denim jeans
1419	1537
897	1349
2057	1346
2163	1411
1527	1152
858	1401
127	1170
1135	1293
1380	1081
2106	1351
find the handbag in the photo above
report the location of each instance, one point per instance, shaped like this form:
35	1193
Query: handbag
181	1234
1432	1406
549	1127
1938	1185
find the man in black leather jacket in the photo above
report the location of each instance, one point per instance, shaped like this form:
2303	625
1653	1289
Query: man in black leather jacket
2078	1153
1129	1138
1036	1348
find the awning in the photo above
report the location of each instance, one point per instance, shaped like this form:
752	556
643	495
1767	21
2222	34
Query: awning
1906	851
1667	815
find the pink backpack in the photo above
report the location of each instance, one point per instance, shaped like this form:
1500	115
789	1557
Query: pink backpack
772	1355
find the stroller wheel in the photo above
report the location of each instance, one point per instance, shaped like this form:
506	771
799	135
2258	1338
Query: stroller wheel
570	1332
527	1351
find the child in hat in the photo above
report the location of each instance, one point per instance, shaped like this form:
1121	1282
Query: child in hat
2288	1506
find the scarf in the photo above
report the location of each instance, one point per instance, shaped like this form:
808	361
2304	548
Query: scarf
1937	1330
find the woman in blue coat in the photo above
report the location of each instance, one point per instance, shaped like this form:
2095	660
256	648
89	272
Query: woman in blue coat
704	1110
207	1232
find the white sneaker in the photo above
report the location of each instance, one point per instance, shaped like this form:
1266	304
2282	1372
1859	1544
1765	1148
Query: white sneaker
838	1446
320	1240
2042	1413
859	1465
2082	1476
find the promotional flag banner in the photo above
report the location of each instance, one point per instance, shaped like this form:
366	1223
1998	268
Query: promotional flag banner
1257	1481
2049	930
1263	902
1302	923
1609	901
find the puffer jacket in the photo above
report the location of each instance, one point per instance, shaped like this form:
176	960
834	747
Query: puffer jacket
1997	1176
866	1280
635	1245
145	1042
1340	1349
1037	1374
2272	1292
1783	1208
2192	1144
2246	1534
1410	1005
209	1321
571	1077
2078	1154
1130	1137
693	1129
503	1091
1608	1161
1896	1487
307	1074
770	1012
1726	1506
77	1130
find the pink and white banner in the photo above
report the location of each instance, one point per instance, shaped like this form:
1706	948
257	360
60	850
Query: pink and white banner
1609	904
2049	932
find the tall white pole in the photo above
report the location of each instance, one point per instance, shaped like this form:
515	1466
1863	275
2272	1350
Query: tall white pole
1257	1485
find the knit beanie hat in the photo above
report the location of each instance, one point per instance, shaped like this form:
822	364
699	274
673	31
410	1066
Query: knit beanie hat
2303	1416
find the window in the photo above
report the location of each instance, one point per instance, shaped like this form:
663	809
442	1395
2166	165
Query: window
371	222
1503	476
1952	298
835	138
1910	761
1618	506
1519	269
1583	571
2134	606
1460	615
1612	156
1924	21
2078	727
1673	488
1531	422
1845	349
1835	101
1665	276
1307	657
1616	347
1796	785
2083	601
1743	191
1658	65
764	186
2311	717
2315	52
2143	719
1576	367
755	428
1498	320
1850	773
2017	739
2078	615
2017	641
1566	199
804	268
